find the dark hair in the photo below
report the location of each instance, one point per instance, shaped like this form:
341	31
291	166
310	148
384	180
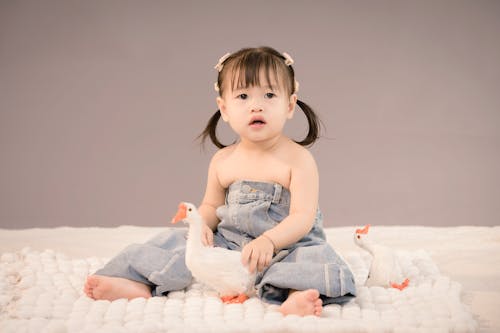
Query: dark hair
245	66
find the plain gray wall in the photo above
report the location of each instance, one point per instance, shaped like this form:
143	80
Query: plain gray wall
100	103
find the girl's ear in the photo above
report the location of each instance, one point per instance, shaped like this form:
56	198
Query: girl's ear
291	105
222	108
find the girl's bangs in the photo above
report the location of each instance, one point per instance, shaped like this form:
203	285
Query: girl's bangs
247	70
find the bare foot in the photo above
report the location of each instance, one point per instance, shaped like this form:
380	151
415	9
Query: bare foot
112	288
302	303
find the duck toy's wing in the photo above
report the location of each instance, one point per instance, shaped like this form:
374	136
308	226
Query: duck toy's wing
222	270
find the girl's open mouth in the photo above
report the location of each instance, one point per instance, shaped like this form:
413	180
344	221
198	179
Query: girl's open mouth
257	122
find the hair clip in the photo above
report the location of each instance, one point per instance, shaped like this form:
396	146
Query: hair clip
296	87
220	64
288	60
216	87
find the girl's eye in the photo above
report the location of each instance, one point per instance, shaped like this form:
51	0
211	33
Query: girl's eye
270	95
243	96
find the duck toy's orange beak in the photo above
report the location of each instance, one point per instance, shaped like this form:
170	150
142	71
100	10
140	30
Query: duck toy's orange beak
363	231
181	213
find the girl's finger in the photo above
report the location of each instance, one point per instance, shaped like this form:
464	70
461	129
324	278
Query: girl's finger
262	262
245	255
269	257
210	238
254	261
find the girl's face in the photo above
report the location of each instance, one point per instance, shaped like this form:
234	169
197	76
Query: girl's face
257	113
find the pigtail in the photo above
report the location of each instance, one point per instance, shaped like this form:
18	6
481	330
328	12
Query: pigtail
211	130
313	122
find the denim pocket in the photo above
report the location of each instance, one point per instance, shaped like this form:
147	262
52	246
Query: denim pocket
276	212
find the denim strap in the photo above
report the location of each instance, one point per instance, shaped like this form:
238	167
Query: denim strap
277	193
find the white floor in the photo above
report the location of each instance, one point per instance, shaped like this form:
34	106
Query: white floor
468	255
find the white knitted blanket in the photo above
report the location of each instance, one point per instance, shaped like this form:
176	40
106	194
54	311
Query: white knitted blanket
42	292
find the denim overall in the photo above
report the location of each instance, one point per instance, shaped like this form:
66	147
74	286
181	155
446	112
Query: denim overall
250	209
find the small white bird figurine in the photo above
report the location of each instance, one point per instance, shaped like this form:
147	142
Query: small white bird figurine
384	270
219	268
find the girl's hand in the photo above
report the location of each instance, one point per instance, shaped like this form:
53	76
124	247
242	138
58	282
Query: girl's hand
207	235
257	254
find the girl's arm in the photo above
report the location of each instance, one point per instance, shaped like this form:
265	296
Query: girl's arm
304	188
214	197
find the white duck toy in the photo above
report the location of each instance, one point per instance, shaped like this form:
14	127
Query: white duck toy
384	270
219	268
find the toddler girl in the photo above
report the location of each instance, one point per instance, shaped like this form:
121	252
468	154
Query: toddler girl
261	199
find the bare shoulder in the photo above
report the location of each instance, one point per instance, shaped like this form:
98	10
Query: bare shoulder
222	154
215	190
301	157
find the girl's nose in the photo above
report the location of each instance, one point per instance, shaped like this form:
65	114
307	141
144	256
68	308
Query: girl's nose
256	106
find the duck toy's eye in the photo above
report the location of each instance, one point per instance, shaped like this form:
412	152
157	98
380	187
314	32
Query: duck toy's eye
190	209
359	237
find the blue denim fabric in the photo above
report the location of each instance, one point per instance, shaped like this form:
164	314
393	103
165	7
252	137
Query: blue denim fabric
250	209
158	263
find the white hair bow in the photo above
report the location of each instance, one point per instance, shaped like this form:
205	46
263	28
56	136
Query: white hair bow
288	60
220	64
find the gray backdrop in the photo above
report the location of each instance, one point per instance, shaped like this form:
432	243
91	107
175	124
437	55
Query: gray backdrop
100	103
